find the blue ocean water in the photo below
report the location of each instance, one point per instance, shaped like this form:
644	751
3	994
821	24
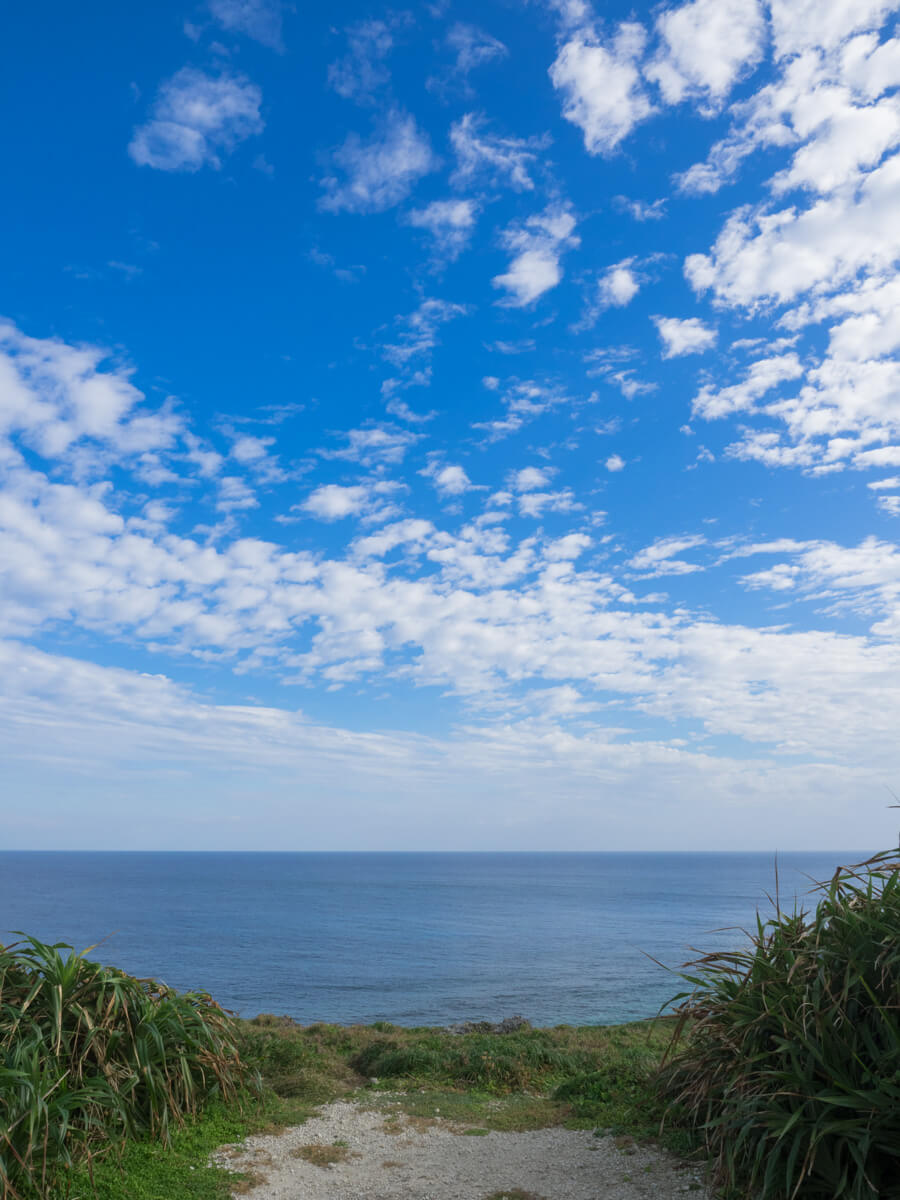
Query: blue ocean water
416	939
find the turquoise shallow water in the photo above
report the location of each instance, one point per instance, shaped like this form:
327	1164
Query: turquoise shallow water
409	938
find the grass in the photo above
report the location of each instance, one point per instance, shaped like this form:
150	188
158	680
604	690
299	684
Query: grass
153	1133
530	1079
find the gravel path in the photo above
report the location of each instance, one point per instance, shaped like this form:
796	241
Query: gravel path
393	1157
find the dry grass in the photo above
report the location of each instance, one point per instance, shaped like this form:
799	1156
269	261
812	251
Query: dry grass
513	1194
323	1156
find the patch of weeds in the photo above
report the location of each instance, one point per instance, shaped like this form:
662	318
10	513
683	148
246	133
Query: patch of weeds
505	1114
475	1132
323	1156
513	1194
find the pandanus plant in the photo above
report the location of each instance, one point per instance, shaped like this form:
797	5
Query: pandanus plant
90	1056
789	1067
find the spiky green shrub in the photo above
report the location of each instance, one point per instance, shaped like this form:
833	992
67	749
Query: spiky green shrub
791	1069
90	1056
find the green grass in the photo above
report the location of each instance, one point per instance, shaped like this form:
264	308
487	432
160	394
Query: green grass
133	1086
455	1079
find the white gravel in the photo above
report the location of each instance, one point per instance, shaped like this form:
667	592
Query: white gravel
436	1161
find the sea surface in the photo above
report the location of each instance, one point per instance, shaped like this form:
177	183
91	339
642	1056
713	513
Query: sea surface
415	939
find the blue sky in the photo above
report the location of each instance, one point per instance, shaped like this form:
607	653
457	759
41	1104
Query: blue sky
468	427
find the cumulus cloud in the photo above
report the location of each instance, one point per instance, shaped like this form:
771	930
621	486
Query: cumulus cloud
762	256
61	400
450	479
618	285
195	118
332	502
449	222
362	70
258	19
684	335
601	85
381	171
538	244
523	400
822	105
799	25
482	156
374	445
707	45
528	479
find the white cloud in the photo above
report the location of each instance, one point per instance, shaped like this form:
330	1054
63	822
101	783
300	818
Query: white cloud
618	285
601	85
523	400
538	245
484	156
331	501
628	385
381	171
615	462
247	449
642	210
259	19
659	558
845	138
87	726
374	445
762	376
450	223
529	479
534	504
60	401
473	47
235	495
777	256
824	106
194	118
684	335
799	25
418	331
450	479
707	46
361	72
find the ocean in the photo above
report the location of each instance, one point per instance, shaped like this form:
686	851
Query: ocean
415	939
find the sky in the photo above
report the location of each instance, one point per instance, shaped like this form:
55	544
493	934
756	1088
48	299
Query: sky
450	426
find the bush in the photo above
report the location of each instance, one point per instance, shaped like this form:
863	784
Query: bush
791	1068
90	1056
